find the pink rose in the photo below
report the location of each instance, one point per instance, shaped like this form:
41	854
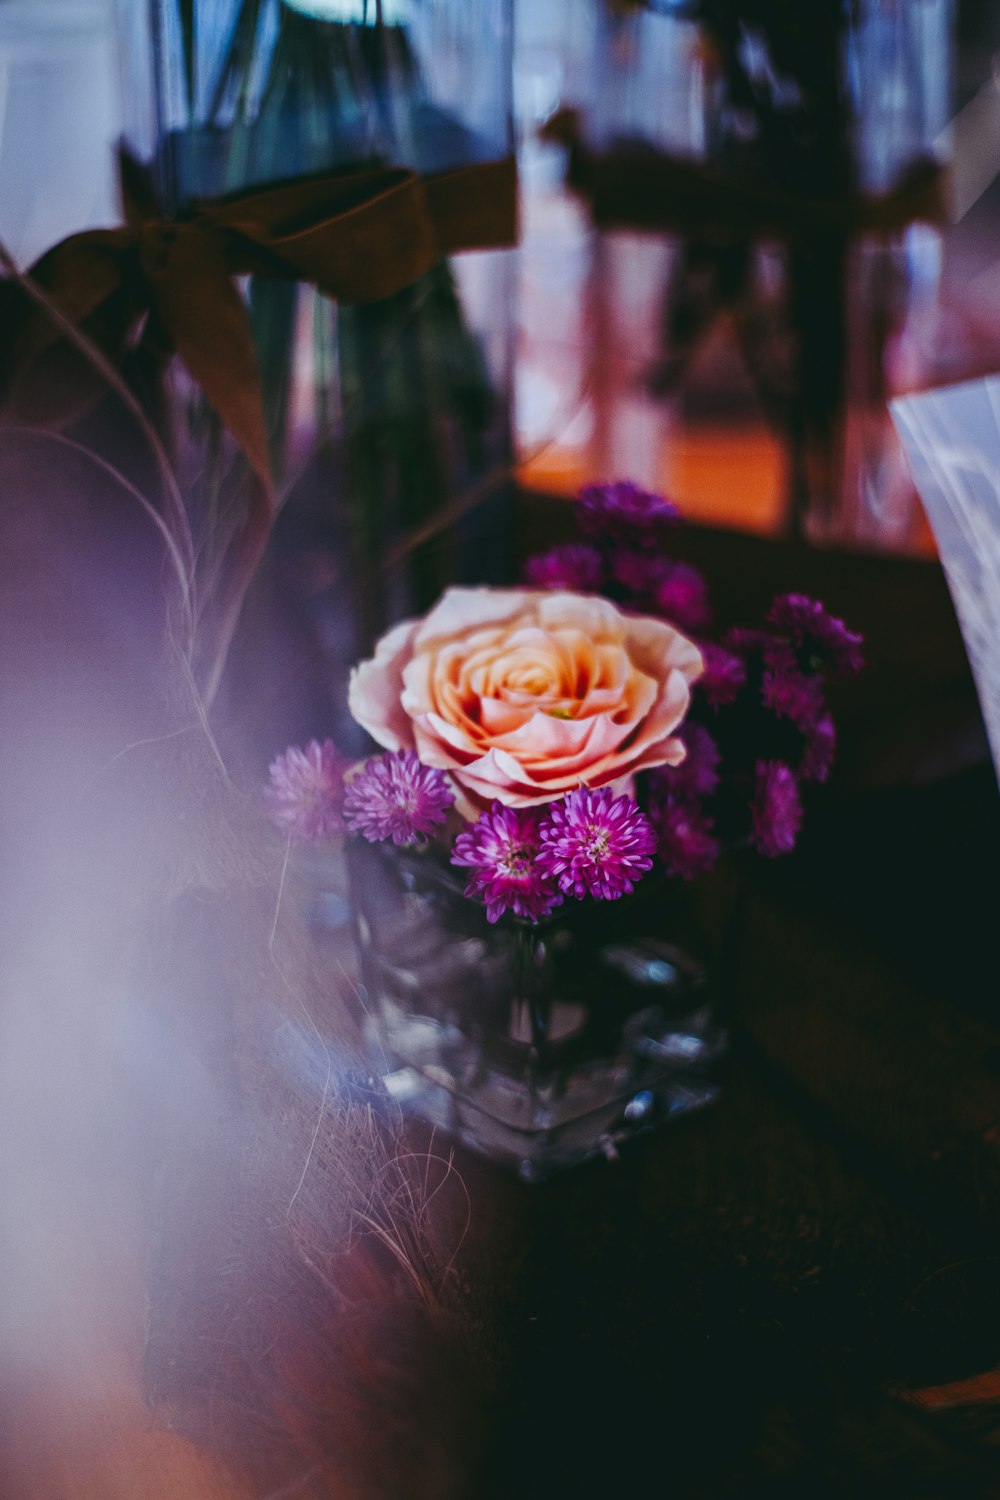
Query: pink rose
523	695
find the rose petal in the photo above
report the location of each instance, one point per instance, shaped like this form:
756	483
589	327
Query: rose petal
374	689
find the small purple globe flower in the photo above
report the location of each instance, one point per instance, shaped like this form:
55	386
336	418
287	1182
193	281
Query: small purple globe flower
596	844
395	797
777	809
305	797
501	851
817	758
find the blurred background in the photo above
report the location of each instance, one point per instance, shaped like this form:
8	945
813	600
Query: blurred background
597	389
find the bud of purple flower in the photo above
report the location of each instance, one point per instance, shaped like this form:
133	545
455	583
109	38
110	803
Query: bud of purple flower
777	809
817	758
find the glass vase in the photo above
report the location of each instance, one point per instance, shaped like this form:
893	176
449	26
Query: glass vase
772	283
388	422
537	1046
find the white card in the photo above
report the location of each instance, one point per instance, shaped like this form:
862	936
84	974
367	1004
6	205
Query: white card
952	441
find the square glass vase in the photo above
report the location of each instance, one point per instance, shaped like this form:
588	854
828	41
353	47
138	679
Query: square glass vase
536	1046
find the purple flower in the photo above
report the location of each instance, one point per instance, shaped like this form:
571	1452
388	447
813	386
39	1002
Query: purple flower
697	775
394	797
817	758
596	844
671	589
777	809
624	512
681	597
724	674
306	793
574	566
502	852
685	840
787	691
824	640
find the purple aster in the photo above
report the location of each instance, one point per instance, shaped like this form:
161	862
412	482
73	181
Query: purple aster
825	641
777	809
787	691
697	775
596	844
724	674
501	850
394	797
817	758
575	566
624	512
306	792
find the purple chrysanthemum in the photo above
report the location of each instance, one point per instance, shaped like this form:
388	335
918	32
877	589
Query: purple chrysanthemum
724	674
502	852
787	691
777	809
575	566
623	512
394	797
825	641
596	844
817	758
685	841
697	775
305	797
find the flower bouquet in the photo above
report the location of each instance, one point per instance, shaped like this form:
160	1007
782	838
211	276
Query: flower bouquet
560	761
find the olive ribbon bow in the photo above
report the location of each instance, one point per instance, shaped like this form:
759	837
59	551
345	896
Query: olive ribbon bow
357	235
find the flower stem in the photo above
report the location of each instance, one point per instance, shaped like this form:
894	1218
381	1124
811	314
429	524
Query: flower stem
527	991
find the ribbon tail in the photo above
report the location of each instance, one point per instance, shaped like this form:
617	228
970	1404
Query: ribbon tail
206	320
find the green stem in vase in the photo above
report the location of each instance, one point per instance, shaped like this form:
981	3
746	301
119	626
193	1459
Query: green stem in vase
526	950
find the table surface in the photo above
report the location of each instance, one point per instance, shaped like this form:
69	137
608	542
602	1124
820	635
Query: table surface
795	1292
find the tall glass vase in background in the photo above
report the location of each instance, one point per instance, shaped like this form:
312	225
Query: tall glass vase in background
750	347
387	419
